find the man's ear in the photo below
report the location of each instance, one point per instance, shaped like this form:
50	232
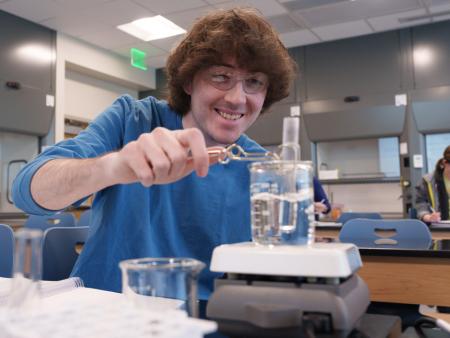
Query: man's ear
188	88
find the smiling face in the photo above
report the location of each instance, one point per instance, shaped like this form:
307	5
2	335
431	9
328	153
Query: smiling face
225	101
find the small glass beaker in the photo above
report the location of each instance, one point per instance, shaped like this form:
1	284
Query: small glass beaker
27	271
162	283
282	207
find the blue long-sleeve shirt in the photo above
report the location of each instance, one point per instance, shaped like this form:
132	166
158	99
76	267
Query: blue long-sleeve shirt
320	195
187	218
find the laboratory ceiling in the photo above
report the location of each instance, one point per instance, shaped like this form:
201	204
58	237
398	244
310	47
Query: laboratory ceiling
299	22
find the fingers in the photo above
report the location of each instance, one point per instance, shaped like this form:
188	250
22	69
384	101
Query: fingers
436	216
433	217
193	140
164	156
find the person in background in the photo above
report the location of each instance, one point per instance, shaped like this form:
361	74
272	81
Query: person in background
321	203
139	156
433	192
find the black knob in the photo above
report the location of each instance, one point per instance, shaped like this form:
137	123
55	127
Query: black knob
13	85
351	99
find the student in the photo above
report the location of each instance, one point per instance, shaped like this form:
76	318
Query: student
321	202
433	191
138	156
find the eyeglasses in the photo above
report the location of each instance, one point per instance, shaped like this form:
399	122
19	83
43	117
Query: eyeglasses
225	78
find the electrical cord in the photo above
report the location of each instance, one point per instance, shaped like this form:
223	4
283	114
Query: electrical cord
424	323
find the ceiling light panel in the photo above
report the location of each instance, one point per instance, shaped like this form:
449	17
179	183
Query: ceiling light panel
152	28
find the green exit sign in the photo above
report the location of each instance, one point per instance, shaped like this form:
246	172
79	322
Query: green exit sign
138	58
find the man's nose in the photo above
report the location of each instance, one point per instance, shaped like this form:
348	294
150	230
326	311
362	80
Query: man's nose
236	94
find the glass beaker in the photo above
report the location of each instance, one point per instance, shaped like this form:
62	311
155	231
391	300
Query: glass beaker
162	283
282	207
27	271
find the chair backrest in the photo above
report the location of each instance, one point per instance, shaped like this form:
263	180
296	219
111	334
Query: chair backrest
346	216
64	219
6	250
59	251
85	218
371	233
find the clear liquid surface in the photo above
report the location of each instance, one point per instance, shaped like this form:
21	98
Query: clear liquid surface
282	217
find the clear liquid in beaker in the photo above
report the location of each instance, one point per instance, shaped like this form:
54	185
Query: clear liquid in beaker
277	218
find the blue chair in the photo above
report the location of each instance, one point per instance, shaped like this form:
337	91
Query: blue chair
64	219
85	218
6	250
346	216
372	233
59	251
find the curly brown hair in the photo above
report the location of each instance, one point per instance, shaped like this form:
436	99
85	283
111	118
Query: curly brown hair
238	33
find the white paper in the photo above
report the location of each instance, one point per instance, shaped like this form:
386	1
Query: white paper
403	148
417	161
295	110
49	100
400	100
91	313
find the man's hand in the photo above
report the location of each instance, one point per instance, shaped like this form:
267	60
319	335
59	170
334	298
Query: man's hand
162	156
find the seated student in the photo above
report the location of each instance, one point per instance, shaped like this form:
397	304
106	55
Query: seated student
433	192
321	202
138	156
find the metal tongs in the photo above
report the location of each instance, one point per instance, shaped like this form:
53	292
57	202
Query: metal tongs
235	152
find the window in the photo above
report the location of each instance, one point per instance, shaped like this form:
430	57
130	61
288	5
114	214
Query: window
434	147
367	158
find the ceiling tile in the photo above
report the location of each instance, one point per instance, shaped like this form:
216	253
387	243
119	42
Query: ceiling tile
74	25
44	10
441	8
144	46
266	7
117	12
437	2
78	4
214	2
283	23
109	38
388	22
298	38
186	18
296	5
342	30
355	10
170	6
